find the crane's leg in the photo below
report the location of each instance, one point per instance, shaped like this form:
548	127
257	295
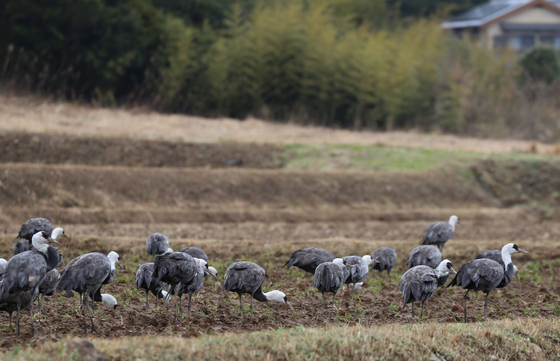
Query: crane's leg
18	309
465	305
11	329
323	301
147	294
388	275
333	299
31	314
251	305
84	309
422	312
190	298
41	304
240	304
93	328
486	305
352	294
412	309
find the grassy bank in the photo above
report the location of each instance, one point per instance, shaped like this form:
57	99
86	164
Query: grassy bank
536	339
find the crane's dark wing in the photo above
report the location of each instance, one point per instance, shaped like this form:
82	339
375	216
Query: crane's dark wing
387	258
195	252
438	233
243	277
328	277
34	225
157	243
84	271
23	271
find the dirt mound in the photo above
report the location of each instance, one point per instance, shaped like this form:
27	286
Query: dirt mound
65	149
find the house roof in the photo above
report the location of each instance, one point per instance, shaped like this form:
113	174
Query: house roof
494	10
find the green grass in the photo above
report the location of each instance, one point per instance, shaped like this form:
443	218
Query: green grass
381	158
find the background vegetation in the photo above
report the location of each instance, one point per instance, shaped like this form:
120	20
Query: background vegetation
378	64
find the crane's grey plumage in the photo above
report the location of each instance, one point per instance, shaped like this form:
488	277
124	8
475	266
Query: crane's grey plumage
359	273
157	243
439	233
330	276
86	274
496	255
309	259
424	256
486	274
146	281
384	259
27	270
50	284
417	285
195	252
174	268
10	303
248	277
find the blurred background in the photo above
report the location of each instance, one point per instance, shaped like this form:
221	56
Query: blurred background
357	64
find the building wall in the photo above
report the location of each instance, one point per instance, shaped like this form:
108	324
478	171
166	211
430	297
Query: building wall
536	15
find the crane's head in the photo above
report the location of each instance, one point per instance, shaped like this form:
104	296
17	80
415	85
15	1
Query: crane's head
114	258
166	298
278	296
445	267
454	220
512	248
39	239
342	263
109	301
58	232
207	270
369	261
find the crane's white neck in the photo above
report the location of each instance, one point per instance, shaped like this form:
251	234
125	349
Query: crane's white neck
506	257
113	259
276	296
3	262
39	241
452	221
442	269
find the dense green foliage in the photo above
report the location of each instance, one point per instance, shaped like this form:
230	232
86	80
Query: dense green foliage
345	63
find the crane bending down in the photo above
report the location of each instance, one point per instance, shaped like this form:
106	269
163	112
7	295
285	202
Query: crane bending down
248	277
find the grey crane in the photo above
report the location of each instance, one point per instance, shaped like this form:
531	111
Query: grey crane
194	286
146	281
174	268
439	233
26	245
195	252
157	243
384	259
26	271
309	259
359	273
496	255
420	282
86	274
486	274
248	277
424	256
330	276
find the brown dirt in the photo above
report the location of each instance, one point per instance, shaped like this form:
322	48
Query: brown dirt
64	149
215	311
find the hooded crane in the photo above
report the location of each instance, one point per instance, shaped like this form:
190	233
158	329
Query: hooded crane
174	268
496	255
330	276
248	277
25	245
486	274
146	281
419	283
194	286
157	243
309	259
26	271
86	274
439	233
384	259
359	273
424	256
49	285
